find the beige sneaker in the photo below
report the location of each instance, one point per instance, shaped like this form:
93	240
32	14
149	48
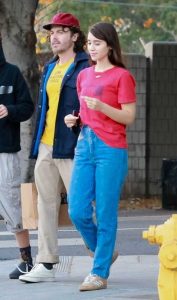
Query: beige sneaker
92	283
114	257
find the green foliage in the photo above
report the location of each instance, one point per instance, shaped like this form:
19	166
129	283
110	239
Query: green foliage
150	20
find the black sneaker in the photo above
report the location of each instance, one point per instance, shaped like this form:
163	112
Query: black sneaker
22	268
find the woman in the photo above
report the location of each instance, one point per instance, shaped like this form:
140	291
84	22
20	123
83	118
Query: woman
107	104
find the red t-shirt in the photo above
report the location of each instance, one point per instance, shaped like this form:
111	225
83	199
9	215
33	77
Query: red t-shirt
115	86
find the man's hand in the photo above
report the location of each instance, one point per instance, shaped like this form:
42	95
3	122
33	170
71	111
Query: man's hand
70	120
3	111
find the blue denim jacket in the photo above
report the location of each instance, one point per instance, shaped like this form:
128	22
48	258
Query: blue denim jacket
64	139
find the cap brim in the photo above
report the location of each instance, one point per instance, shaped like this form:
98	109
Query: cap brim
47	26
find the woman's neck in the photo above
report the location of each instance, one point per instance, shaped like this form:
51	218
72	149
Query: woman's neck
103	66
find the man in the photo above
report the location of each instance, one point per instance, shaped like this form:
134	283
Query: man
16	106
53	142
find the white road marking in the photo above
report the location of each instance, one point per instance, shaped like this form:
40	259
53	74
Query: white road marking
5	233
61	242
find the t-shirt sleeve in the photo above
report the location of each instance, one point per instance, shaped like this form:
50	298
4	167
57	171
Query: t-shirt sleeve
126	88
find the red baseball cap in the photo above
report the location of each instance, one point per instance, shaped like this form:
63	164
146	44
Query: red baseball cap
63	19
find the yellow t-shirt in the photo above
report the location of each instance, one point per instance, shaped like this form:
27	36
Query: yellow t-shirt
53	91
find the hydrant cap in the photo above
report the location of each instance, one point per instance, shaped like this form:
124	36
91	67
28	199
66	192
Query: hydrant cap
150	234
168	255
145	235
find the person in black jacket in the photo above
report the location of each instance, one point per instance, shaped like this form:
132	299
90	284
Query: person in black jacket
15	106
53	142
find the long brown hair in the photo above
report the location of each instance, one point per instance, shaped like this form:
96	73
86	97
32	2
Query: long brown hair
80	43
106	32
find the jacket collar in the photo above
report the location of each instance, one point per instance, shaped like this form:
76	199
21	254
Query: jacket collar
80	56
2	57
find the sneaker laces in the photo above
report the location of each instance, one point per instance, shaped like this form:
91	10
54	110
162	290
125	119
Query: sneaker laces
90	278
93	279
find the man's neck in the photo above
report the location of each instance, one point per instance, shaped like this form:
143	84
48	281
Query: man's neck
65	57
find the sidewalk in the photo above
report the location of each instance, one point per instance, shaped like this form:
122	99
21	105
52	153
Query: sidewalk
132	277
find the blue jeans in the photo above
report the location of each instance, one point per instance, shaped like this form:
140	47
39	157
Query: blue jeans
98	174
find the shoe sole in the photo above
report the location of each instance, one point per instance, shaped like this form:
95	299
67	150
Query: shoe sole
30	280
89	288
13	277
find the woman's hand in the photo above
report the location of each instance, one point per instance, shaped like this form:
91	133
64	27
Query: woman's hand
70	120
125	115
93	103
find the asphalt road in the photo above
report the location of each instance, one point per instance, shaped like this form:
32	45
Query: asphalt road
129	236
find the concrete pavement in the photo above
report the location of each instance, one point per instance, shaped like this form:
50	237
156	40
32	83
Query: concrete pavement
132	277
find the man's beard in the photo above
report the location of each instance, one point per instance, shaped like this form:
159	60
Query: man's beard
62	50
58	52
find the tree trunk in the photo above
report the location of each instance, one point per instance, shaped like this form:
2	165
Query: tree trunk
19	39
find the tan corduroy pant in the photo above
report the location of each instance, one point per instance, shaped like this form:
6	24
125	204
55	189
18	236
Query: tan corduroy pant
51	176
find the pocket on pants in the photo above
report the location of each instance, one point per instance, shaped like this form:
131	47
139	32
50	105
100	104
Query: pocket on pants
10	167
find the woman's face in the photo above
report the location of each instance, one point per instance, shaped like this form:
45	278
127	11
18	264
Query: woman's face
98	49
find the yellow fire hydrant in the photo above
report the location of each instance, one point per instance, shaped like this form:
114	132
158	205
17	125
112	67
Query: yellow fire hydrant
165	235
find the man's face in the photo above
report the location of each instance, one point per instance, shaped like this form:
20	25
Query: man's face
61	39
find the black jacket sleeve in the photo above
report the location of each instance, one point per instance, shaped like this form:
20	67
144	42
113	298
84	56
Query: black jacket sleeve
23	107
